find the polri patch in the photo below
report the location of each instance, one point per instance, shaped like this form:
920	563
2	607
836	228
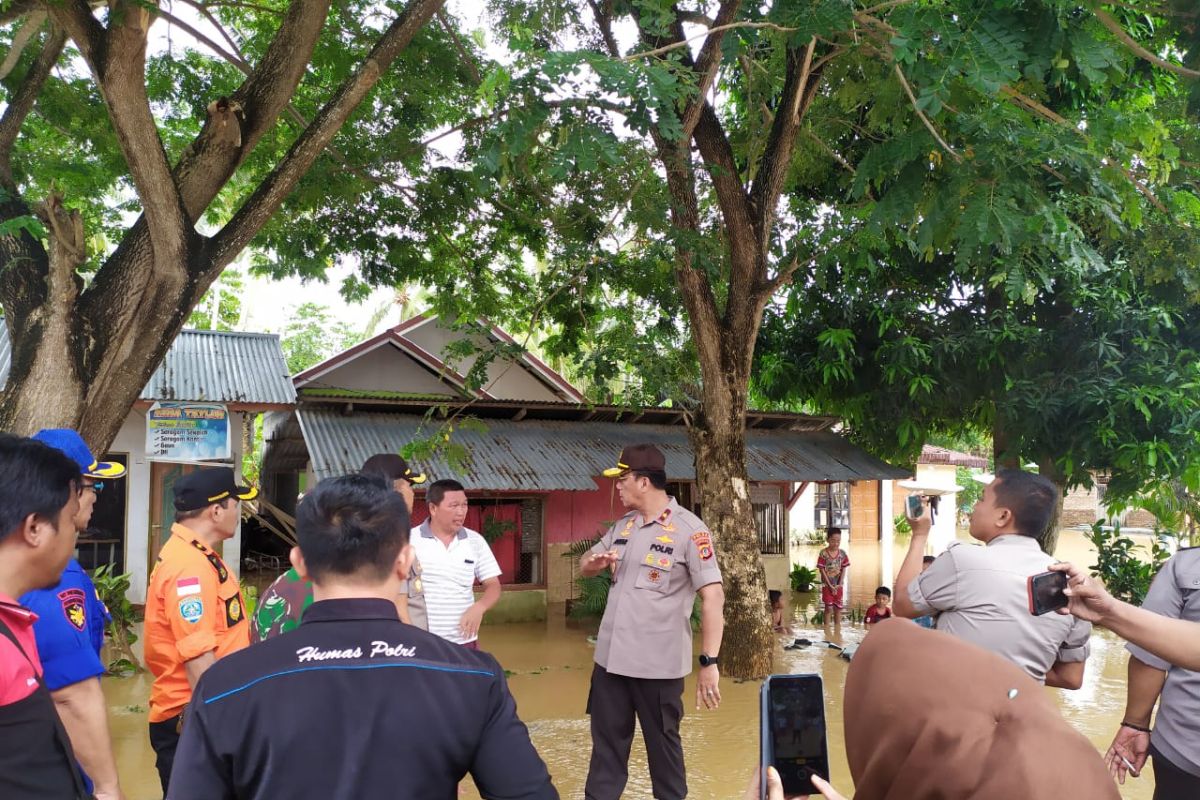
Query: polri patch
703	544
191	609
73	607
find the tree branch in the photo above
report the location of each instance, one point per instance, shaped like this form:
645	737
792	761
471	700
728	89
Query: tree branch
17	10
1107	21
924	119
271	193
799	90
467	59
708	60
21	40
23	100
683	42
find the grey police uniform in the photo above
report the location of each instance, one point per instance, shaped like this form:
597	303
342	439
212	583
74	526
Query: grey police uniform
644	647
414	589
981	595
1175	741
355	705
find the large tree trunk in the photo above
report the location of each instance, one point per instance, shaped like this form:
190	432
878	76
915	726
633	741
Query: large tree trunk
81	357
720	451
1048	468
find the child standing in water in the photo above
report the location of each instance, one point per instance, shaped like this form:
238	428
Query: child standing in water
832	563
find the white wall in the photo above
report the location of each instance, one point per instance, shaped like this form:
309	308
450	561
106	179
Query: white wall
944	528
131	439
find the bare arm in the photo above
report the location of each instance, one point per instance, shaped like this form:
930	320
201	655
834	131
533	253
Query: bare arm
196	667
84	715
491	594
910	568
1065	675
1175	641
712	629
592	564
1144	686
402	608
472	618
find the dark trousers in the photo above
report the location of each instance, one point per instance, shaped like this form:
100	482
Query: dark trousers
164	738
612	703
1172	783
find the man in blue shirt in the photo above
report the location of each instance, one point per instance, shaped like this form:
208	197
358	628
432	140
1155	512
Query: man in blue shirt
70	632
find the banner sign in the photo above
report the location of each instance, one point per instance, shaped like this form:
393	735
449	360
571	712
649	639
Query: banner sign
187	432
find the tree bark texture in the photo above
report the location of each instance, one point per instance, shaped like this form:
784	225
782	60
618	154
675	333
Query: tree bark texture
1048	468
80	357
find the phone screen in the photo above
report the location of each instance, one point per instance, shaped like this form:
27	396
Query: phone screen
915	509
793	733
1046	592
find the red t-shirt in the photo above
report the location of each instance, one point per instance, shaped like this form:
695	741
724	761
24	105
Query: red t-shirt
875	615
17	677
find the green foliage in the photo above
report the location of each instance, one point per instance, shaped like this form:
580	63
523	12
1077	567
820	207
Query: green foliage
249	598
802	578
972	489
111	588
312	335
493	529
227	293
1126	575
901	525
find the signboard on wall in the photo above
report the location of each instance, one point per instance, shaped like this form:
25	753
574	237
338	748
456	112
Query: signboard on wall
187	432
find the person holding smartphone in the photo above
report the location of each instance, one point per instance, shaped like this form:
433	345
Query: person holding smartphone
981	594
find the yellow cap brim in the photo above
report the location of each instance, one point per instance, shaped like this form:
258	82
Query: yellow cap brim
249	495
415	479
615	472
104	469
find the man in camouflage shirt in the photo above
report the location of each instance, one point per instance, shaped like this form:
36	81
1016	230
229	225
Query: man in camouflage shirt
283	603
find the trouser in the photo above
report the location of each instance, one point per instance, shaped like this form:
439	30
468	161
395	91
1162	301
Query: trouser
1172	783
164	738
612	703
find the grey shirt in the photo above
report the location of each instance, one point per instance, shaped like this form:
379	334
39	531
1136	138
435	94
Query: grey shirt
982	595
646	631
1176	593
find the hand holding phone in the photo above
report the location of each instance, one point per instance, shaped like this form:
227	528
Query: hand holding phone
792	737
1046	592
915	506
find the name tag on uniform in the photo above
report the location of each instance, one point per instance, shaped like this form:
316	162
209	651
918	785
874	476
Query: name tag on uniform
468	561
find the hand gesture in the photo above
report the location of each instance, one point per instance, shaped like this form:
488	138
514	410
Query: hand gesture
920	525
775	788
1128	748
1087	596
468	624
607	559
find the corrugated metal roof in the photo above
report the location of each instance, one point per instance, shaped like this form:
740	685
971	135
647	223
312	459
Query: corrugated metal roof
532	455
932	454
210	366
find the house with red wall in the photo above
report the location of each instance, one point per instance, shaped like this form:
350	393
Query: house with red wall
529	449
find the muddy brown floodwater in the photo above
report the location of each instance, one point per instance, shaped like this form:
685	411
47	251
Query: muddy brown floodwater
550	665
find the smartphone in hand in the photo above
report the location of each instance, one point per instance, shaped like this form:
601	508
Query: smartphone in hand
1046	592
792	738
915	507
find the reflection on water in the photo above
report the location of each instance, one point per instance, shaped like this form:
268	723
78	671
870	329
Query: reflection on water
551	665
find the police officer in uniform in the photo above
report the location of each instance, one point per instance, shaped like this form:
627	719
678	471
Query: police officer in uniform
70	632
195	614
1174	742
661	555
402	713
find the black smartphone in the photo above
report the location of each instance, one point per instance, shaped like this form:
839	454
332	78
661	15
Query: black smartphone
792	736
1046	592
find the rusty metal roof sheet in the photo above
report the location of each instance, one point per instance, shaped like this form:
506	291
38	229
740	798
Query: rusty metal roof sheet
932	454
541	455
211	366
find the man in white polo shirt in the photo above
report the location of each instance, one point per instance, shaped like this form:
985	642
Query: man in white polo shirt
453	558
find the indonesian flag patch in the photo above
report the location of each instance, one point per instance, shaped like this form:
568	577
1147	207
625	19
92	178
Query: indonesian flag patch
186	586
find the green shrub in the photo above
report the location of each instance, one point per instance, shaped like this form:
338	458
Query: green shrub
111	589
802	578
1125	574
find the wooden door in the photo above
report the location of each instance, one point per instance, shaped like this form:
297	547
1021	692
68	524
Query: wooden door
162	505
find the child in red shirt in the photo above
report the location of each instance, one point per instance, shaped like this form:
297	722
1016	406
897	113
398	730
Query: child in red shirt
882	609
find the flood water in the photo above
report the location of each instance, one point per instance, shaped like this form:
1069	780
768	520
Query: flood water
550	665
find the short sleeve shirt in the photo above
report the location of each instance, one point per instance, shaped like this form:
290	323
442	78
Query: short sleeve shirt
983	597
834	567
646	631
19	668
193	606
70	628
448	575
1175	593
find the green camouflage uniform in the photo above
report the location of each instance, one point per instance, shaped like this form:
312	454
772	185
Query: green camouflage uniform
282	604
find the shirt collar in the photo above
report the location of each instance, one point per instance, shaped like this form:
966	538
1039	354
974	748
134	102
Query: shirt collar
188	536
15	612
663	519
1015	539
427	531
351	608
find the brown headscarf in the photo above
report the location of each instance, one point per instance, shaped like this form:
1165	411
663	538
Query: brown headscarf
930	716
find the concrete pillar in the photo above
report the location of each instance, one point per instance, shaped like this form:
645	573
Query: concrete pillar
887	534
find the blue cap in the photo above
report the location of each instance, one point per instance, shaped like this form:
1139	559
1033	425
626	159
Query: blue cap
75	448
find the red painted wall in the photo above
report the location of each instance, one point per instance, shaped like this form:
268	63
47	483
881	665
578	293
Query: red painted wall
571	516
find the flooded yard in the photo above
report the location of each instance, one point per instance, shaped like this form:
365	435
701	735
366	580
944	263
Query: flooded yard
550	665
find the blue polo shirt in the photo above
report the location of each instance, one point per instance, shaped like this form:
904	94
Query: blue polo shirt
69	629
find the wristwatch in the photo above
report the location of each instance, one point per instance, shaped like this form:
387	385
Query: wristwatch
708	661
